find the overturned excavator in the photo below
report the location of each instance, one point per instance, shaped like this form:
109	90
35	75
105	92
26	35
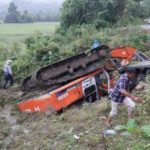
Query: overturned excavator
84	76
61	72
55	75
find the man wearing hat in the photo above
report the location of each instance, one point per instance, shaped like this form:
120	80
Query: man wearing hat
8	74
121	95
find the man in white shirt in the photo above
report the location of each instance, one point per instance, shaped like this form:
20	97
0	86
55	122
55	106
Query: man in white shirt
8	74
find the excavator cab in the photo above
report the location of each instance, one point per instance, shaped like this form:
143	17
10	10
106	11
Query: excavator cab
90	90
96	86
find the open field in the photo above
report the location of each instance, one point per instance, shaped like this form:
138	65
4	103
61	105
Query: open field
10	33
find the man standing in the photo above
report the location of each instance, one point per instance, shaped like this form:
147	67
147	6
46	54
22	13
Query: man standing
121	95
8	74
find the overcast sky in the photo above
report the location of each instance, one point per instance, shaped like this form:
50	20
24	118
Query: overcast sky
6	1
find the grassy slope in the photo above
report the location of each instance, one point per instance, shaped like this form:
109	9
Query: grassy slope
56	132
42	131
10	33
21	131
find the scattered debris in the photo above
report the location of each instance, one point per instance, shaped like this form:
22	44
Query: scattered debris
76	137
109	132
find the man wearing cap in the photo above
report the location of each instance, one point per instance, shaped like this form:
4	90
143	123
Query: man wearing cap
8	73
121	95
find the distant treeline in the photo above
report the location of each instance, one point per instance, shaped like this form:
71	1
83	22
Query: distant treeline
14	16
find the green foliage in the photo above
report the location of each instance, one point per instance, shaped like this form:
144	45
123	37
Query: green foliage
43	49
131	126
102	13
80	12
134	9
145	129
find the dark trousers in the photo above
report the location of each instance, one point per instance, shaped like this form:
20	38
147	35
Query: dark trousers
8	79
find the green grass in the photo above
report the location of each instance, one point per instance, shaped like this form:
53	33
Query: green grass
10	33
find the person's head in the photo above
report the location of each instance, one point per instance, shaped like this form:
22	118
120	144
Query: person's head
131	72
8	62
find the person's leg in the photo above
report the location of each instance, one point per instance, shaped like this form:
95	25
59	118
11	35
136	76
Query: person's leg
11	80
5	82
131	107
113	112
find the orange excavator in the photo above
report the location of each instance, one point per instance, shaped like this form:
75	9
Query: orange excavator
84	87
84	76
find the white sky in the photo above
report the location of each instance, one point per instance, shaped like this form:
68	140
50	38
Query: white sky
6	1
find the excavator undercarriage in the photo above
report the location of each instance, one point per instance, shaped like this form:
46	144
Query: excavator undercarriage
66	70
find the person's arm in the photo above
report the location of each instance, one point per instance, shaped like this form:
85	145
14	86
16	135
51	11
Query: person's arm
9	70
124	92
134	98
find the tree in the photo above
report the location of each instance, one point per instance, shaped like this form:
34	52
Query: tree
26	17
80	11
136	9
92	11
115	10
101	12
13	15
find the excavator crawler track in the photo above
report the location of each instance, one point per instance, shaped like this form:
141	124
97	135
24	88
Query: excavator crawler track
69	69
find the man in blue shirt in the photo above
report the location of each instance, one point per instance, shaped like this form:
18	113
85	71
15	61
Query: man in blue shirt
121	95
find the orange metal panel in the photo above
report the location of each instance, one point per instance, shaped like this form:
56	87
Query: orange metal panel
123	52
57	99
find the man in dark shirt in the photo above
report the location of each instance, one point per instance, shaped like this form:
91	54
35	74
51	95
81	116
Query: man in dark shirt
120	94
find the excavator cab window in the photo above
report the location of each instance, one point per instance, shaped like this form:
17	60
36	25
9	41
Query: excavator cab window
90	90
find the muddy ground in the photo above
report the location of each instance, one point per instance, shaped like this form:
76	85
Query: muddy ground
79	127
